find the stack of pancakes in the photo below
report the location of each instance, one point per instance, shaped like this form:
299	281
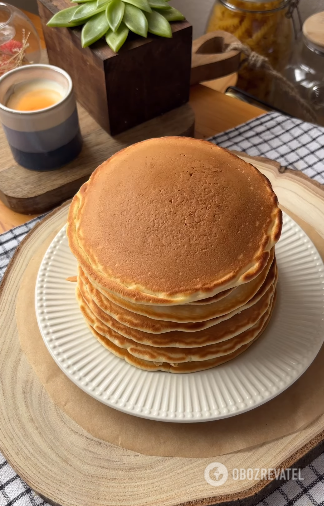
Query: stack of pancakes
175	243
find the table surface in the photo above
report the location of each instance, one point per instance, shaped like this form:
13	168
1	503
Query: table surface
214	111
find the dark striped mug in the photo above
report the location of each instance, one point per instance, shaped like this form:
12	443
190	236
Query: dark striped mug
43	139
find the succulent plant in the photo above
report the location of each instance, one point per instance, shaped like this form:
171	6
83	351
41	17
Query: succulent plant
114	19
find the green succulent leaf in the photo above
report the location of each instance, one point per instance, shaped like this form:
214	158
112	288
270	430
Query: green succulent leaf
172	14
159	4
94	29
135	20
158	25
116	40
87	10
63	18
115	13
141	4
115	18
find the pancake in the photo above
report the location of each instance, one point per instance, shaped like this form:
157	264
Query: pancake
173	354
209	300
172	221
186	367
140	322
186	313
223	331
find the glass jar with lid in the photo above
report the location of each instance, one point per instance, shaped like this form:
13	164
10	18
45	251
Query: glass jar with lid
19	41
306	67
266	27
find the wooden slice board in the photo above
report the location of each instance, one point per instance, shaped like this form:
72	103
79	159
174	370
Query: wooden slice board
70	467
30	192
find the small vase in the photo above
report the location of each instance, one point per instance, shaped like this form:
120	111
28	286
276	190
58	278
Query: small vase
19	41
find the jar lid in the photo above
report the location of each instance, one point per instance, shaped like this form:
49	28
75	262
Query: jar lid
256	5
313	30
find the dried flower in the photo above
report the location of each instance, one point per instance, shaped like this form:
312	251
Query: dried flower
12	54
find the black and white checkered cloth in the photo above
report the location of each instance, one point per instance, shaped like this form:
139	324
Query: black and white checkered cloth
293	144
9	242
289	141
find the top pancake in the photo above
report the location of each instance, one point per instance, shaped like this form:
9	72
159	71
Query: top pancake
173	220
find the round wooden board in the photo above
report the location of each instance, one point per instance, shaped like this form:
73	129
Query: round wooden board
68	466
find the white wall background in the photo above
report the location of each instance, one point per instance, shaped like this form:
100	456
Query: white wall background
197	13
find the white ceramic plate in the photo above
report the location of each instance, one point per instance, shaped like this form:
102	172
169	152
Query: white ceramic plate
285	350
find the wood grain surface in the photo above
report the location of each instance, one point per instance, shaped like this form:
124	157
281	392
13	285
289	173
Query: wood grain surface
70	467
209	58
215	112
222	83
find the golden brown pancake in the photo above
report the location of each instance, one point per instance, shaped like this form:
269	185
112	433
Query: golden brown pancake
172	354
212	335
147	324
172	221
187	313
215	297
186	367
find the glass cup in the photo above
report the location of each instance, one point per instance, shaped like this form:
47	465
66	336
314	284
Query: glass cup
19	41
43	139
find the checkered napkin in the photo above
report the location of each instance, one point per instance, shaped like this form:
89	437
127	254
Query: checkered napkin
9	242
289	141
293	144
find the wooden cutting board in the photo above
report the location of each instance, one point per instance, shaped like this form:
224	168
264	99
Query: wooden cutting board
69	467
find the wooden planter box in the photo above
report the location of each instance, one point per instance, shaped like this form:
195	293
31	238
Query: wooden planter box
148	77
